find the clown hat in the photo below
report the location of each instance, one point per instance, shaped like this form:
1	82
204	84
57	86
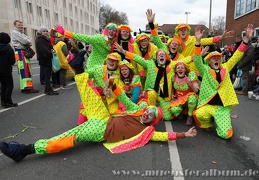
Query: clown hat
142	36
212	54
180	26
114	56
126	63
124	27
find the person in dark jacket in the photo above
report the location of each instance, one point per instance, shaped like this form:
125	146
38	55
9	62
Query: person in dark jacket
7	60
245	64
44	55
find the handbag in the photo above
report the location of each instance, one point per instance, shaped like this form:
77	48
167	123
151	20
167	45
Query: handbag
70	74
55	62
29	53
238	83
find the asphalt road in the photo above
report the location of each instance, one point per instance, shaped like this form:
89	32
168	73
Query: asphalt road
203	157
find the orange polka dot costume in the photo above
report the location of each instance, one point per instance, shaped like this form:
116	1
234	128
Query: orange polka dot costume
217	95
101	126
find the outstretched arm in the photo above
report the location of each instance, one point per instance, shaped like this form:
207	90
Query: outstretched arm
165	136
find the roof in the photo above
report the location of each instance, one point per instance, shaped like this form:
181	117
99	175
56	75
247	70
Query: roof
169	29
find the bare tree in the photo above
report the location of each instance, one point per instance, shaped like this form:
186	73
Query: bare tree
107	14
218	25
203	23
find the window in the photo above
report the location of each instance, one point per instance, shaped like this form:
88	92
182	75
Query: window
243	34
47	14
56	17
71	10
250	5
239	7
65	21
64	4
39	11
244	6
17	4
29	8
256	31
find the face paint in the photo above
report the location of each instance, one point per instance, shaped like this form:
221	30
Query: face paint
183	33
112	64
125	71
214	62
161	58
111	33
180	70
144	43
125	34
148	116
173	47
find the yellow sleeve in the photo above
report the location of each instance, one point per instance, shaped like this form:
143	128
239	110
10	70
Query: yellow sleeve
159	136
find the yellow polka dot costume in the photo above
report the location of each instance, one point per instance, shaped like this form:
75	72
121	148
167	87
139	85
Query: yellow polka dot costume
210	87
188	43
94	128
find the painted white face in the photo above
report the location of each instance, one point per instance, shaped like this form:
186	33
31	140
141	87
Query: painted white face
144	43
214	62
19	26
183	32
112	64
125	34
111	33
125	71
173	46
161	58
180	70
148	116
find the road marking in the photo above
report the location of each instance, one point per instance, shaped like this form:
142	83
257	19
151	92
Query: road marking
31	99
173	152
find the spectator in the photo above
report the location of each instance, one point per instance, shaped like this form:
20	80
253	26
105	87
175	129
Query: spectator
44	55
245	64
61	49
7	60
20	41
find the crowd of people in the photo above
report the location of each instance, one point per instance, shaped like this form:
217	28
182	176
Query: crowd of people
127	85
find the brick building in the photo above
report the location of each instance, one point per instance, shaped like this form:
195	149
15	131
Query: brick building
239	14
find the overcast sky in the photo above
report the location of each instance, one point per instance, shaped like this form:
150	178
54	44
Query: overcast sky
168	11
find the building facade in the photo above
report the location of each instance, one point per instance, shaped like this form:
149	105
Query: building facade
81	16
239	14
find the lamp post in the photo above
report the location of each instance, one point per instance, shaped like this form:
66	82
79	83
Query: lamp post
187	16
210	29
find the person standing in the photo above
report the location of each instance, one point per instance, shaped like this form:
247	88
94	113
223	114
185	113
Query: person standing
20	41
44	55
245	64
7	60
61	49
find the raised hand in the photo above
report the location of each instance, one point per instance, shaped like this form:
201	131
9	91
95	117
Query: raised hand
249	33
118	47
227	34
150	15
249	30
205	50
198	33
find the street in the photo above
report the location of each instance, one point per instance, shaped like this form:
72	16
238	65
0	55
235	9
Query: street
204	157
